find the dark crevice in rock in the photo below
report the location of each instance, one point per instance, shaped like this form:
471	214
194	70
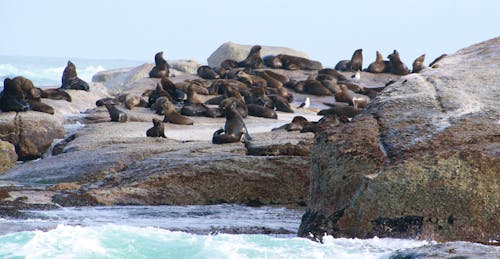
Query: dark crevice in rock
382	145
437	95
400	227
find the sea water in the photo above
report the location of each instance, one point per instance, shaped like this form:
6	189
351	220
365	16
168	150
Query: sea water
177	232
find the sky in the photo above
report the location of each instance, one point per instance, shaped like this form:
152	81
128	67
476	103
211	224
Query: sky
327	31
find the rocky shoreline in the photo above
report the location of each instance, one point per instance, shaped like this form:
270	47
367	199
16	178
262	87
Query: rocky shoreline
421	161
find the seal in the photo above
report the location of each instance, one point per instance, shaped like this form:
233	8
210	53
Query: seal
158	129
178	96
347	95
290	62
32	95
281	103
334	73
250	80
315	87
397	66
234	128
12	97
161	68
70	79
261	111
241	106
341	110
355	64
297	124
172	116
207	72
115	113
418	64
131	100
380	65
258	96
229	64
253	59
434	64
270	81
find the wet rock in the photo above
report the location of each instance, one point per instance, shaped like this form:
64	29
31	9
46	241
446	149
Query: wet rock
74	199
449	250
421	161
238	52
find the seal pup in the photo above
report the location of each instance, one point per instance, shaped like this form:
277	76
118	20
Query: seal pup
379	65
207	72
253	59
161	68
115	114
306	103
397	66
234	128
418	64
70	79
172	116
158	129
356	62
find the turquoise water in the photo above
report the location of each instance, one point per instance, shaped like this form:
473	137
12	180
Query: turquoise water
118	241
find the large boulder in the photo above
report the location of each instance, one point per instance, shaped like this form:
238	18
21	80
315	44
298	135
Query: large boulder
30	132
8	156
422	161
238	52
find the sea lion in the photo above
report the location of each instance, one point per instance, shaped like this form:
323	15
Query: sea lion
298	122
207	72
172	116
158	105
161	68
315	87
56	94
380	65
32	95
158	129
356	62
250	80
229	64
12	97
281	103
270	81
157	93
418	64
70	79
261	111
253	59
131	100
241	106
397	66
282	78
116	114
178	96
347	95
289	62
336	74
258	96
433	63
234	128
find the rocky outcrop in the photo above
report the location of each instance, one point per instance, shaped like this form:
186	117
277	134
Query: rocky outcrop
238	52
449	250
420	162
30	132
8	156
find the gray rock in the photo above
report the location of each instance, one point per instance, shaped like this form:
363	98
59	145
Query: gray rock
8	156
449	250
238	52
421	161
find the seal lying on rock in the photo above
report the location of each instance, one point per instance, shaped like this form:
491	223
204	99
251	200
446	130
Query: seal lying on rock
161	68
158	129
207	72
233	129
116	114
70	79
172	116
12	97
291	62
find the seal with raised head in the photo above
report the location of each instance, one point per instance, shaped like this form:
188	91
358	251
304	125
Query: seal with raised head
115	113
397	66
253	60
418	64
355	64
33	95
234	128
172	116
70	79
158	129
12	97
161	68
379	65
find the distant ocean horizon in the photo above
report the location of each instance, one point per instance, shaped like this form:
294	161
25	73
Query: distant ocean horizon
47	71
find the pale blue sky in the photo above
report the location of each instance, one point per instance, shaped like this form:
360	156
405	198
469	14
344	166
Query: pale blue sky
187	29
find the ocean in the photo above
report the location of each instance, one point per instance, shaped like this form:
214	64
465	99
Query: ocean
163	231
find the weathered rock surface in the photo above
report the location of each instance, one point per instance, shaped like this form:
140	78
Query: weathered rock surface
449	250
238	52
8	156
422	161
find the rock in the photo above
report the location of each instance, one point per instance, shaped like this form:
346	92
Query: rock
108	75
30	132
281	143
8	156
420	162
238	52
120	82
184	66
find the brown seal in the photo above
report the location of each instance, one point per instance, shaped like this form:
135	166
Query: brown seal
434	64
12	97
281	103
332	72
397	66
161	68
70	79
347	95
271	81
355	64
297	124
234	128
172	116
380	65
253	59
33	95
116	114
261	111
418	64
315	87
158	129
207	72
250	80
131	100
289	62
